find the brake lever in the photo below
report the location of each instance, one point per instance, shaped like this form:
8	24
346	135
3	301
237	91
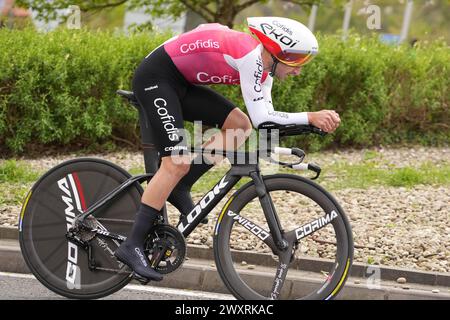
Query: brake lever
315	168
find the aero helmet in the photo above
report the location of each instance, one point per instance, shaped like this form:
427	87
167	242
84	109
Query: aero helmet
289	41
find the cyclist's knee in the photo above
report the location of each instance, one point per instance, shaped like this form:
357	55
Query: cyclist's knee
237	120
177	166
245	124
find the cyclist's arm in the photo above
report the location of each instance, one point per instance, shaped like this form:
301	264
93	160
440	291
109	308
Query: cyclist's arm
267	93
257	96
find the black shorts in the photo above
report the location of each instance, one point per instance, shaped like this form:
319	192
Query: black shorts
168	99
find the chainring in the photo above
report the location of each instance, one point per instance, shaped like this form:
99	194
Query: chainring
166	248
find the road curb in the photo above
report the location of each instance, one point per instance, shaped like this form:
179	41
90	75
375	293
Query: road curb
198	273
201	275
9	233
358	270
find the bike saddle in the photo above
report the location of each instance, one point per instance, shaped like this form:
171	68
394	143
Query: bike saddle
129	95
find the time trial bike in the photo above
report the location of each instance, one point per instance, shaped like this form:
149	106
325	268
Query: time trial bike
77	214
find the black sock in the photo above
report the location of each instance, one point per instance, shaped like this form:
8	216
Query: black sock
145	218
180	197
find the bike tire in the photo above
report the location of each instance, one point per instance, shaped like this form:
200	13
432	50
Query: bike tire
238	281
54	200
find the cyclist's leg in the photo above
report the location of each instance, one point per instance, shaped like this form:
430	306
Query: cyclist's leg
234	131
204	104
161	103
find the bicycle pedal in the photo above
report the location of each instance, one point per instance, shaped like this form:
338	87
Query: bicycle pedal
141	279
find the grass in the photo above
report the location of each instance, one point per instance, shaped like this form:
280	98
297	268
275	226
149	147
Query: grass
342	176
370	155
136	170
370	260
13	171
207	182
16	178
13	194
212	177
363	176
15	181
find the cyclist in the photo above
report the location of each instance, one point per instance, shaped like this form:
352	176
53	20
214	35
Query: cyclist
169	84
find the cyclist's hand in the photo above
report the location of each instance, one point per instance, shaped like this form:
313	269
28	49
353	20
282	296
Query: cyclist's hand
327	120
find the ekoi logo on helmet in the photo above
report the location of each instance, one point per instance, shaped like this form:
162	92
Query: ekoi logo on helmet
278	35
282	26
290	41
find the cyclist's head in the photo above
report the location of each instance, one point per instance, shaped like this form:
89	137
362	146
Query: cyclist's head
289	41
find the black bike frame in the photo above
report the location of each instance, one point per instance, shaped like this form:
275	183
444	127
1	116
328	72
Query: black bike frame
209	201
277	241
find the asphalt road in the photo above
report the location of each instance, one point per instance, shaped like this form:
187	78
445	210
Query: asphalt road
14	286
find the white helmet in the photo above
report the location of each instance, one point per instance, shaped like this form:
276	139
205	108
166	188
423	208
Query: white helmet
289	41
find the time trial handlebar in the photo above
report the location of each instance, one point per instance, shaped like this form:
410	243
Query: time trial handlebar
291	129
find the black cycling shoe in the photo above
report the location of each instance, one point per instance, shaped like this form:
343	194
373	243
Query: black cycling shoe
135	258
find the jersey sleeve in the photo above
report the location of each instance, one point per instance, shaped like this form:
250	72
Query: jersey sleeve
267	93
257	95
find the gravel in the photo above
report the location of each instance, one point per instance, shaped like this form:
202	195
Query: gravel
383	157
401	280
399	227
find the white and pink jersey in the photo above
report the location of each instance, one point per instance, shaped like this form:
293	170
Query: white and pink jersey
215	54
210	54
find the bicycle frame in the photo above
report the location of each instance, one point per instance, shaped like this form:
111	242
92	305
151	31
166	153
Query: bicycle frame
209	201
188	223
166	242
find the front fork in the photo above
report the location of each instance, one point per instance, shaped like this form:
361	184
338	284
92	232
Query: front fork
286	248
269	211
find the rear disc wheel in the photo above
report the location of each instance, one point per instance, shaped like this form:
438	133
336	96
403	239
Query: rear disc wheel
60	195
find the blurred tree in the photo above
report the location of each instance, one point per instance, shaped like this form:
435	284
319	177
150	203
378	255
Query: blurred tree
193	19
431	18
13	16
221	11
109	18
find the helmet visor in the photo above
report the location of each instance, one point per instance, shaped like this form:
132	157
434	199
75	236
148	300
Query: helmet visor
294	59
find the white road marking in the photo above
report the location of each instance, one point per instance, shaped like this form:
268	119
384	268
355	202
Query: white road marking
17	275
149	289
180	292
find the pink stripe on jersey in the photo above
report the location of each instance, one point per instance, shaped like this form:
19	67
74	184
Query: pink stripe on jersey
200	54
